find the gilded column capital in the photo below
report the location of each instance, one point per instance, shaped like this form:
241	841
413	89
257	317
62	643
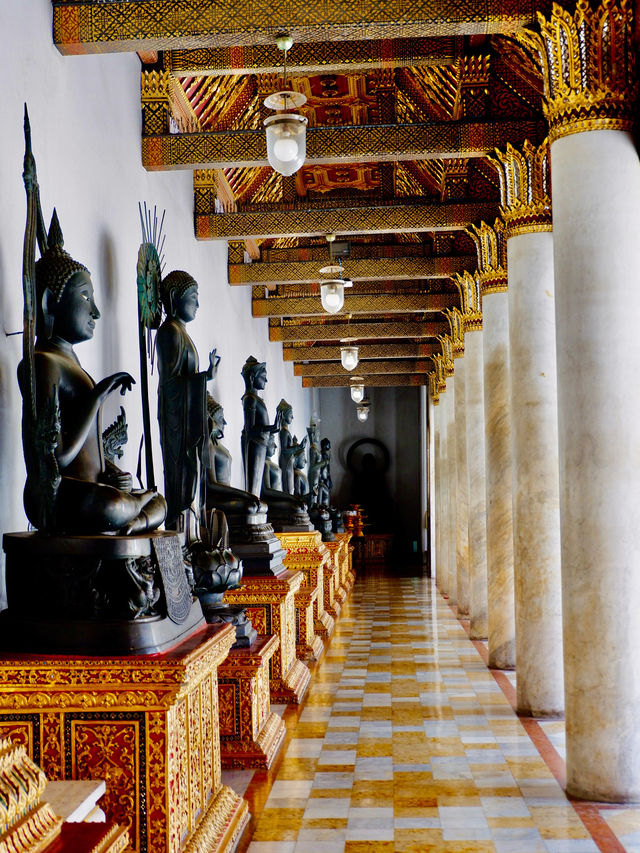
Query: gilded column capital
525	188
441	379
456	324
447	354
471	299
434	391
588	62
491	248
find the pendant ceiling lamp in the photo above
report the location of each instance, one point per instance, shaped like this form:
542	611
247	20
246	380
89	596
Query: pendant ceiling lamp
332	289
286	131
362	410
357	389
349	357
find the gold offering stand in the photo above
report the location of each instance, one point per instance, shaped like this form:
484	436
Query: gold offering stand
147	724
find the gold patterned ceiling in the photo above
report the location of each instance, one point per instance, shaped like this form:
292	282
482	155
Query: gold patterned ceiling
405	101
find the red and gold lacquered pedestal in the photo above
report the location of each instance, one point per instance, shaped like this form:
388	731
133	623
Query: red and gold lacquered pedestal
340	592
269	602
306	553
147	724
345	557
250	733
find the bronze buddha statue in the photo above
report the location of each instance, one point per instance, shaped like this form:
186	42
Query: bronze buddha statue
289	447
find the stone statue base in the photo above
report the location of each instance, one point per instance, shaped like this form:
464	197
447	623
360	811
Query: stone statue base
232	614
286	522
96	595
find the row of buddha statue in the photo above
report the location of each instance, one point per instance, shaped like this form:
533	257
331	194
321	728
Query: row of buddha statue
91	523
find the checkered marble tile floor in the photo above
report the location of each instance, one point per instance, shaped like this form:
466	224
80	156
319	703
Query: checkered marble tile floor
407	742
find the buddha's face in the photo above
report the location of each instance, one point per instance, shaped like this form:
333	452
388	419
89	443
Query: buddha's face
75	314
287	416
185	307
271	446
260	379
219	424
300	461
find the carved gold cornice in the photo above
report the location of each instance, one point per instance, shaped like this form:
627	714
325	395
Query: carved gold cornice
525	188
383	349
365	269
491	248
368	368
224	149
336	331
447	354
457	324
588	62
471	300
93	26
380	303
441	379
270	222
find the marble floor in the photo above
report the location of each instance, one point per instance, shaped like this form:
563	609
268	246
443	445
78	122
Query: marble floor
407	742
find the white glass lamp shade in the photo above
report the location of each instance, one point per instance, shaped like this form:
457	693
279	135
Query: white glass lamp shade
357	390
332	295
349	357
286	142
362	413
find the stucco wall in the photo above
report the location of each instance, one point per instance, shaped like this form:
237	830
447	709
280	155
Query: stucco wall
85	117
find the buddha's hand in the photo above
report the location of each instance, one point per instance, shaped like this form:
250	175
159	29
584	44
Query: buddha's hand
214	361
121	380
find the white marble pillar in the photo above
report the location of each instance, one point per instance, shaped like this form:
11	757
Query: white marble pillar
474	397
536	509
596	215
432	493
443	511
452	478
437	544
497	423
462	493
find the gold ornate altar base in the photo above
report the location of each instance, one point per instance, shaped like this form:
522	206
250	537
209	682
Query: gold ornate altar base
269	602
345	558
250	733
148	725
306	553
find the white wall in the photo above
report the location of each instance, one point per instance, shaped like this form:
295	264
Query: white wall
85	119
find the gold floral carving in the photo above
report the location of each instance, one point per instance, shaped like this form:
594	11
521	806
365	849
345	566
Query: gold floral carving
470	299
434	392
447	354
456	322
588	62
525	188
491	248
441	379
222	824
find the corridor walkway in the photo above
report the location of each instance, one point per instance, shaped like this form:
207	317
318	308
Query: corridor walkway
408	743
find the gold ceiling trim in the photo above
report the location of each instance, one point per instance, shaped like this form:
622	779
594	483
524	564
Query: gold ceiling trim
391	350
93	26
348	144
369	368
374	269
525	188
588	62
382	303
336	331
315	57
383	380
491	248
312	221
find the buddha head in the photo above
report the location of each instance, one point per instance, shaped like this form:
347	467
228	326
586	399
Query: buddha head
179	292
217	422
64	292
285	410
254	373
271	445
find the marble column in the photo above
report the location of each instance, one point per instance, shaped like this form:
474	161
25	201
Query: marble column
452	478
596	201
497	425
462	492
536	507
474	399
437	545
443	513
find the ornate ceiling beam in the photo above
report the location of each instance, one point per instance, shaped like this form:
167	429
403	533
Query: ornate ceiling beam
369	368
93	26
373	381
317	221
378	269
384	349
348	144
318	57
336	331
378	303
